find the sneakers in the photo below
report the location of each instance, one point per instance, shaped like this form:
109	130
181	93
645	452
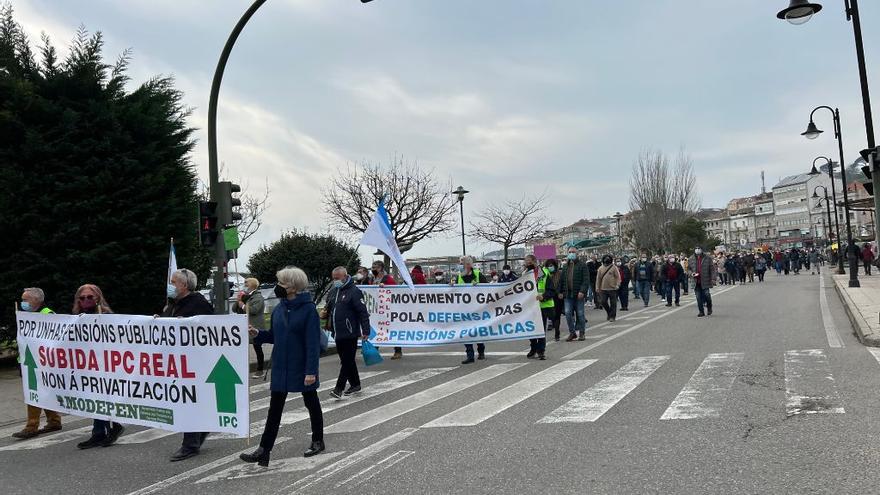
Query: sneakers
337	394
353	390
115	432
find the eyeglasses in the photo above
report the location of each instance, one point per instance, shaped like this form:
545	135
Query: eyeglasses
87	298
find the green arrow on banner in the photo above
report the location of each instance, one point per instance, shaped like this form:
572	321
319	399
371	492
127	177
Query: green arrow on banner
32	368
224	378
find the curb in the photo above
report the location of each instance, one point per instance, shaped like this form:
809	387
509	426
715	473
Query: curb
863	330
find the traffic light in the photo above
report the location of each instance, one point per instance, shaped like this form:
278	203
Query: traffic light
226	202
872	158
207	223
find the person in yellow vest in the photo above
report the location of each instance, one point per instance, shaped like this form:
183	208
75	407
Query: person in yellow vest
467	274
546	295
32	301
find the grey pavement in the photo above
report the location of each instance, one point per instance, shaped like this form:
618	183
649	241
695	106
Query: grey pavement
759	398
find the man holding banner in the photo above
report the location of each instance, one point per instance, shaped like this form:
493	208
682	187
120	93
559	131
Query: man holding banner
467	274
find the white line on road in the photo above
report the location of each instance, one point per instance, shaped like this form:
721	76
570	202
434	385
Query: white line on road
461	353
204	468
704	394
483	409
875	351
601	397
349	461
289	465
827	321
809	385
387	412
49	440
371	471
635	327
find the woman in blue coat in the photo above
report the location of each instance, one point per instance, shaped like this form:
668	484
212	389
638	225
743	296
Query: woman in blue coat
296	334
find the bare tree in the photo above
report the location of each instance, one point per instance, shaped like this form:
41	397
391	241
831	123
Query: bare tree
512	222
252	208
418	205
661	196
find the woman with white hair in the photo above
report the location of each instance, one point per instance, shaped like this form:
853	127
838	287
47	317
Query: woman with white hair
295	331
251	303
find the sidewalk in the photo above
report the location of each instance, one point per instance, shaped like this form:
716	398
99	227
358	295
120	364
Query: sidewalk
862	306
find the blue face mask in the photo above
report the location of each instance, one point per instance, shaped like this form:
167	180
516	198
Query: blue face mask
171	292
551	268
461	268
337	283
26	306
572	256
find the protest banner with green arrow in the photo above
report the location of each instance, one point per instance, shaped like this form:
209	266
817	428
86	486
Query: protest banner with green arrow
224	378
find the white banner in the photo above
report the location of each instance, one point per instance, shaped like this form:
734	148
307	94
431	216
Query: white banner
178	374
429	315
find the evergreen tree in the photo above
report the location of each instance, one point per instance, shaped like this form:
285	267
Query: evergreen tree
95	179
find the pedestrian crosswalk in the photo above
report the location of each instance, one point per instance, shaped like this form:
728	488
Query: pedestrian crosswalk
580	391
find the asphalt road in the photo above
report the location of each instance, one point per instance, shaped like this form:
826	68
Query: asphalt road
765	396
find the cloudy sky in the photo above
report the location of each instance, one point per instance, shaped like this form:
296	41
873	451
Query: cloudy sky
505	97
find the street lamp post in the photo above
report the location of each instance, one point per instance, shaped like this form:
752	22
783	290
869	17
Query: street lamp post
460	192
828	213
799	12
813	132
618	216
815	171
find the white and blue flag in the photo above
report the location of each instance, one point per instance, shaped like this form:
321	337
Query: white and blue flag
379	236
172	262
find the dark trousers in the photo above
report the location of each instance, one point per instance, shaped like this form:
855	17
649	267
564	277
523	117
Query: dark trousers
539	345
867	267
670	286
623	295
469	349
193	440
261	358
276	408
762	272
398	350
609	303
348	372
100	428
558	310
704	298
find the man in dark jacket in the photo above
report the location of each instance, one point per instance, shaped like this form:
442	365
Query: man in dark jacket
507	275
625	278
643	274
703	272
183	303
593	269
671	274
574	287
349	320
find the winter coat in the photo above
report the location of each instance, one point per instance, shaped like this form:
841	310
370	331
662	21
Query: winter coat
574	278
254	307
593	268
814	257
664	273
760	264
418	277
607	278
625	275
349	317
643	271
867	255
504	279
704	273
193	304
295	332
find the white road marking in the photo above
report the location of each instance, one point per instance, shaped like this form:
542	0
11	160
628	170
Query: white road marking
151	434
349	461
204	468
289	465
82	433
875	351
635	327
834	340
371	471
483	409
705	392
640	317
601	397
301	413
387	412
809	385
460	353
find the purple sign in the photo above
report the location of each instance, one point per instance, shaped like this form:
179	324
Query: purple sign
545	251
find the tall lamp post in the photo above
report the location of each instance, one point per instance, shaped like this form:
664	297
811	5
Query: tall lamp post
799	12
815	171
618	216
460	192
813	132
828	213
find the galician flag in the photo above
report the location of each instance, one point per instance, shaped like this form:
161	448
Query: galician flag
379	236
172	262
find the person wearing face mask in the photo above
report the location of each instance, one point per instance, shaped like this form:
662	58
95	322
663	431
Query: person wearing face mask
349	321
607	284
625	276
685	283
555	282
185	302
672	274
546	298
507	275
251	302
32	301
362	277
418	276
704	275
90	300
592	269
439	278
467	274
573	290
643	273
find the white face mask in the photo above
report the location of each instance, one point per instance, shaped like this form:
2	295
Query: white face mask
506	272
698	251
438	277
